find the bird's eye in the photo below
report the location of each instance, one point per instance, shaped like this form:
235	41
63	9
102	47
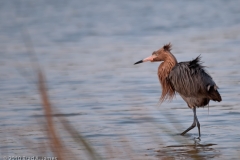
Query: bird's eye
154	53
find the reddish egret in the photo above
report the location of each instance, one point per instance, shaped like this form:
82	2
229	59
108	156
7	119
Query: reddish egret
189	79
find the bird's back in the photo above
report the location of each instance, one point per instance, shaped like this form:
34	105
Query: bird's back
195	86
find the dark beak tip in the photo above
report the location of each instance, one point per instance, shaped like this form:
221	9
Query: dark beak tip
138	62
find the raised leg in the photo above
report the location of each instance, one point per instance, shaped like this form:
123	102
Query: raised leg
194	122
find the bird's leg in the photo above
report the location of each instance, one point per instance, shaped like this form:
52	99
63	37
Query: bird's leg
198	124
193	124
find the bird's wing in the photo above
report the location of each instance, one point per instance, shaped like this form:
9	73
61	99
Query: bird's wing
191	80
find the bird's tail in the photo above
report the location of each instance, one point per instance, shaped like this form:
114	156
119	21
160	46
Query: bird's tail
214	94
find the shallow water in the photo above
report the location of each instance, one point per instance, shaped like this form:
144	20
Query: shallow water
87	50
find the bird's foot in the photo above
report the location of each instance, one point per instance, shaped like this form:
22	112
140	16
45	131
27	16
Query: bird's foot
183	133
198	138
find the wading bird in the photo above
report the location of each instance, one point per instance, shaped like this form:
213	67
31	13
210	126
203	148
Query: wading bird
189	79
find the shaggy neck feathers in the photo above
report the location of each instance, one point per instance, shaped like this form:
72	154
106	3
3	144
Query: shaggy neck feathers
164	69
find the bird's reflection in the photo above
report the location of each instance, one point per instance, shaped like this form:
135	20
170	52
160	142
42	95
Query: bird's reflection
188	151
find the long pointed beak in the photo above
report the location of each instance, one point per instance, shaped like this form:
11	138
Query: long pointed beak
141	61
150	58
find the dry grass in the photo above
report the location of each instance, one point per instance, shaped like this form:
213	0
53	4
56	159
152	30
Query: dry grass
55	142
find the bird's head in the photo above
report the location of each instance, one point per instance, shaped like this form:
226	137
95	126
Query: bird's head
159	55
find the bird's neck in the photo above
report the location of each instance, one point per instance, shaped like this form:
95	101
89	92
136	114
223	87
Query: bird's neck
169	62
163	71
171	59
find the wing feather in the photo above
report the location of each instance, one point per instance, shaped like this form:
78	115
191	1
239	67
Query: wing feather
190	79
